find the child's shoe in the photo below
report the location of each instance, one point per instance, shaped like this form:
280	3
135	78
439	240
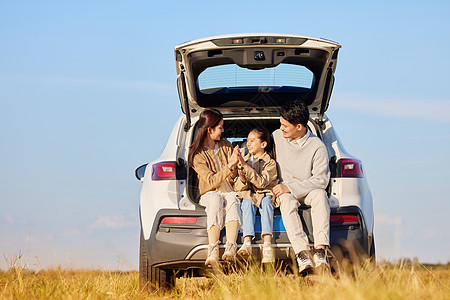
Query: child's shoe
267	254
245	252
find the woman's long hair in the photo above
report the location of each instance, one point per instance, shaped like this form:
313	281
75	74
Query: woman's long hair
209	118
264	136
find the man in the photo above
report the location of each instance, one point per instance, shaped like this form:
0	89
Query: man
304	174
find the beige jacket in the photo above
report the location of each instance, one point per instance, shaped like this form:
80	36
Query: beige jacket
210	175
259	180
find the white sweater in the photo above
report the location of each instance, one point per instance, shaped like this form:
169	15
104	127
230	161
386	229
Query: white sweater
302	164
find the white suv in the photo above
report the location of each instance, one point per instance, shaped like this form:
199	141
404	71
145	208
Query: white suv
247	77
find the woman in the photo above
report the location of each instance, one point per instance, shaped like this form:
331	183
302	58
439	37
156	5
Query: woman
215	161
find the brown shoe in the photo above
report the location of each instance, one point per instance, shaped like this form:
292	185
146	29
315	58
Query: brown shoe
230	252
213	255
245	252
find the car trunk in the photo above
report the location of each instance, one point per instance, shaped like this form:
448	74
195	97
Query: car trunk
236	132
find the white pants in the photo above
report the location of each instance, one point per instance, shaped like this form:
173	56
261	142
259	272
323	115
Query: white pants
220	208
320	215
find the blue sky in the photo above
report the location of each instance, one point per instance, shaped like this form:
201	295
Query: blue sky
87	94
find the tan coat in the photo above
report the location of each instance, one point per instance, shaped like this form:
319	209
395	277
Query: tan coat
260	179
210	176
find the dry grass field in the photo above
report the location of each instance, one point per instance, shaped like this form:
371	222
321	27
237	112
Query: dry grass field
368	282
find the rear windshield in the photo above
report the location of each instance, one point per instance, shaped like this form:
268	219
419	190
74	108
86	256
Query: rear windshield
231	78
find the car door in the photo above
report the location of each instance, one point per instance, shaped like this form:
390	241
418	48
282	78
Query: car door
255	72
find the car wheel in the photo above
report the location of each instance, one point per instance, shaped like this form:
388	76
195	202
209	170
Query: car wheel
333	262
372	250
152	277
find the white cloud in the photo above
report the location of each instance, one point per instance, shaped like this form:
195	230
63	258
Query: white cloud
116	221
387	220
11	220
70	232
424	109
141	85
388	236
428	234
36	237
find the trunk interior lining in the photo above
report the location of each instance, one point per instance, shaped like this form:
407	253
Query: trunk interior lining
236	132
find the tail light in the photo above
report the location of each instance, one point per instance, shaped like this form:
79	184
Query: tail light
343	218
179	220
351	168
168	170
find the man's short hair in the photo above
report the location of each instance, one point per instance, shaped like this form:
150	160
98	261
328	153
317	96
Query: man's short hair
295	113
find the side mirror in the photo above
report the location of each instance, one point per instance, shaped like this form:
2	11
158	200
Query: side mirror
140	171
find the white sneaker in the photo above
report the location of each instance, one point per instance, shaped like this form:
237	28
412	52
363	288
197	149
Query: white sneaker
304	262
213	255
267	255
230	252
245	252
320	258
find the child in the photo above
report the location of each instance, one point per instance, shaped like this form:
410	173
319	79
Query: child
215	162
257	176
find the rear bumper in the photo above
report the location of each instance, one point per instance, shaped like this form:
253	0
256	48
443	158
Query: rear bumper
186	246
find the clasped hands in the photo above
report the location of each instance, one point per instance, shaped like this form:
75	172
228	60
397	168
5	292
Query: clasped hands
235	157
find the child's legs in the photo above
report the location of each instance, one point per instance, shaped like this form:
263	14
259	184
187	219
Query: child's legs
248	218
266	210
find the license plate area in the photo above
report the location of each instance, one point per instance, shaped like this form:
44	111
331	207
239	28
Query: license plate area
278	225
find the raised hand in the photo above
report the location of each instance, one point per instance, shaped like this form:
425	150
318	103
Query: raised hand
241	159
242	175
233	158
